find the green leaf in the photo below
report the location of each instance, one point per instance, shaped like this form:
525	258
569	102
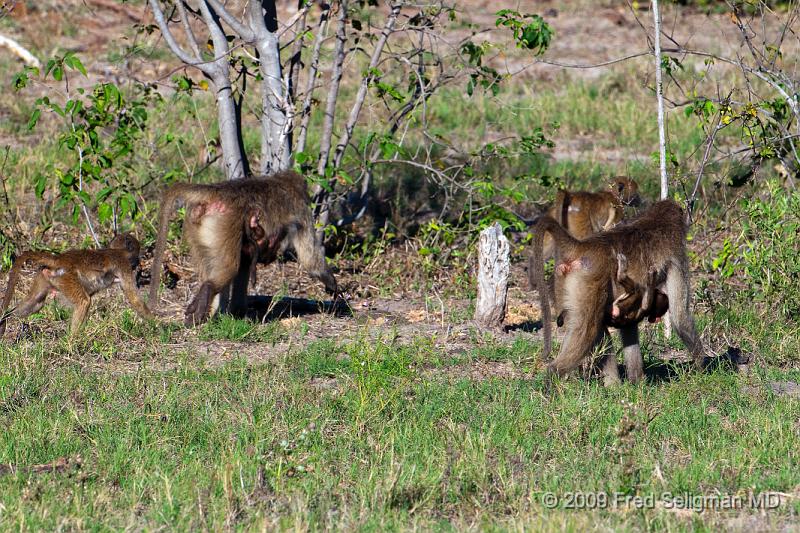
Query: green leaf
104	212
34	119
72	61
41	183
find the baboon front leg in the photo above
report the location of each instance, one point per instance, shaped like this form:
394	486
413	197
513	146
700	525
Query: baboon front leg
238	288
312	259
634	364
197	310
130	292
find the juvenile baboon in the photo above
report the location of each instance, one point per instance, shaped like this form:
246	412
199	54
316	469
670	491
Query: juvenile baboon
583	213
78	275
655	241
637	301
254	218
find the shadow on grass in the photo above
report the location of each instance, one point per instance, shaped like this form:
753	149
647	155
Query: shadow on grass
529	326
265	308
665	370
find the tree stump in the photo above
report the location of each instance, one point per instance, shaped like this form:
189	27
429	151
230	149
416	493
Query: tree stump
493	268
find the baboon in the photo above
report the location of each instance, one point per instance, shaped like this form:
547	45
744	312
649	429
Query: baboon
78	275
254	244
254	218
632	301
583	213
637	301
655	241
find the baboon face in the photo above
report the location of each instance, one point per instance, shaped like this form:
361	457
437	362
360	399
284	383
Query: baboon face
627	190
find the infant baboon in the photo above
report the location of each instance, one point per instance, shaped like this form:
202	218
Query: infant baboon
638	301
78	275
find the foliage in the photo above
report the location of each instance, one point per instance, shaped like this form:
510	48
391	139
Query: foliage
766	255
530	31
100	127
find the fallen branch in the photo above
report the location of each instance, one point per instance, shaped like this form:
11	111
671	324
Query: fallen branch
20	51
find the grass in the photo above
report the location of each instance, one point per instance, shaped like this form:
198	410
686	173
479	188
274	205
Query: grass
250	446
238	425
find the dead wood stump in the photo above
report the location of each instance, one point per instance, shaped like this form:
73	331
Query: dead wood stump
493	269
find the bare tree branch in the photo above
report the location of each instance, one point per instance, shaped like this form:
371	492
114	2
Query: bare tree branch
181	54
333	92
313	69
246	33
187	28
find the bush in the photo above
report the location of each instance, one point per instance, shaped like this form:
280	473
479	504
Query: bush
768	261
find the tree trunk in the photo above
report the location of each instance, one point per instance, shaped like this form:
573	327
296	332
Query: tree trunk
233	158
493	268
275	150
662	138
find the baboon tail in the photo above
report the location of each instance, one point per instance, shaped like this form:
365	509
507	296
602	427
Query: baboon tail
565	243
187	192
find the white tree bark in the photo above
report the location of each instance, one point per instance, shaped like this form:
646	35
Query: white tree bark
493	268
217	70
275	150
662	139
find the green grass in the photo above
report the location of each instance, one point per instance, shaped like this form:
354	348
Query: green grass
384	448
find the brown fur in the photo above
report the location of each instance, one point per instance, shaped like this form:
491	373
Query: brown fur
584	213
637	301
655	241
216	227
78	275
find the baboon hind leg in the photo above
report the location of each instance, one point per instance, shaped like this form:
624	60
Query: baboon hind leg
634	364
584	331
198	309
72	289
36	297
680	315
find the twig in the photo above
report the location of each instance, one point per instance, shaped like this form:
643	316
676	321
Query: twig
305	109
706	155
333	93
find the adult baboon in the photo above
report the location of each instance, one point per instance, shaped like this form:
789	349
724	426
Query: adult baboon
219	217
655	241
